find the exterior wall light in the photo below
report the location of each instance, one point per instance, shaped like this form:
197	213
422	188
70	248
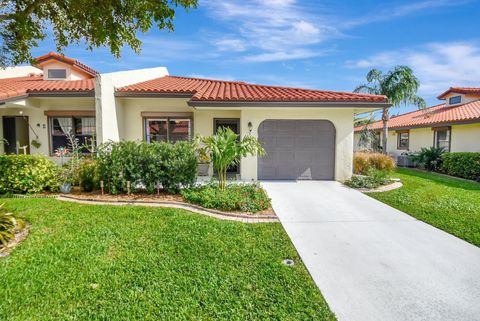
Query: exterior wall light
250	127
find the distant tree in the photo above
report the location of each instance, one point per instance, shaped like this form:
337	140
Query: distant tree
110	23
400	86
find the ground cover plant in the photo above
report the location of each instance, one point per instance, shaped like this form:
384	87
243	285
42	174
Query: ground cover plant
27	174
450	204
94	262
373	179
9	225
234	197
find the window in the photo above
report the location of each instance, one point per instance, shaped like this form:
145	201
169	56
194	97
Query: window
442	138
81	128
403	140
455	100
167	129
57	73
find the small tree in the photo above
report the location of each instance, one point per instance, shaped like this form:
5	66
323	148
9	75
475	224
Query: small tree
400	86
226	149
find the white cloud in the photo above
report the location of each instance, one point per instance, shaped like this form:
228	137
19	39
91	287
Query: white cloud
437	65
270	30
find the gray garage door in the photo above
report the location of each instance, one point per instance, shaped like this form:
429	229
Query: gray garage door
297	149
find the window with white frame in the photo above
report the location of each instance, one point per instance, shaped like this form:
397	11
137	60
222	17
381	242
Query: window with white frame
61	127
57	73
455	100
442	138
167	129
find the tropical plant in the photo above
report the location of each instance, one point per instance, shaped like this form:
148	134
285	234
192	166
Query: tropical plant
8	226
399	85
226	149
368	139
429	158
111	23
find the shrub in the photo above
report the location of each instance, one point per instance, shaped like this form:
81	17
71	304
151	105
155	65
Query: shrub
465	165
235	197
374	179
429	158
87	174
362	162
27	174
146	165
9	225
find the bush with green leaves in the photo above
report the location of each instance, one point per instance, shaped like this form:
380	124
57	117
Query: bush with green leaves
146	165
9	225
462	164
235	197
374	178
27	174
87	174
429	158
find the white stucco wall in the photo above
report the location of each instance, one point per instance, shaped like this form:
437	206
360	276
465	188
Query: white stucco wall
109	109
72	73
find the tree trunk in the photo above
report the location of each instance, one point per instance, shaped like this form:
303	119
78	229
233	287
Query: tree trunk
385	118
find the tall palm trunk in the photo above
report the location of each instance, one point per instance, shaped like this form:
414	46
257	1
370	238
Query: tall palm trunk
385	118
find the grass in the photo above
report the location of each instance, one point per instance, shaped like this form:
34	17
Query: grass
92	262
450	204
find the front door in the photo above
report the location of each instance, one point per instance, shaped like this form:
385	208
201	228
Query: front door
15	132
234	125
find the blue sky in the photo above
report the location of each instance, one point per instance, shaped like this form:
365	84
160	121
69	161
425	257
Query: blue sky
311	44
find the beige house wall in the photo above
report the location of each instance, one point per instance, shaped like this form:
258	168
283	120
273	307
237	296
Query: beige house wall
464	138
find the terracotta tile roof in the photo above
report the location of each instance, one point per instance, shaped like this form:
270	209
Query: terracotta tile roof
53	55
459	90
220	90
436	115
21	86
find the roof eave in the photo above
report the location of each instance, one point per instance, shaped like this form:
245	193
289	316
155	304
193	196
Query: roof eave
290	104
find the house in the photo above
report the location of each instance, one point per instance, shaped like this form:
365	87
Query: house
453	125
308	134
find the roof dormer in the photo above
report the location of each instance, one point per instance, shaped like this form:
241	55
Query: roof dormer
460	95
59	67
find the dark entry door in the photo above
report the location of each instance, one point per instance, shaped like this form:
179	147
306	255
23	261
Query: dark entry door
234	125
15	132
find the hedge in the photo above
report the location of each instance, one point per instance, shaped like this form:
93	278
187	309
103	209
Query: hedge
27	174
462	164
146	165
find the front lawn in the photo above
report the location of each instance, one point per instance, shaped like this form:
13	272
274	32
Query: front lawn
92	262
450	204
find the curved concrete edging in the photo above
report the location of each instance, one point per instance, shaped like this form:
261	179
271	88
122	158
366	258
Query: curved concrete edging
386	188
239	217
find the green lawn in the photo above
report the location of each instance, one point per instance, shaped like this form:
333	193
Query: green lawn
450	204
91	262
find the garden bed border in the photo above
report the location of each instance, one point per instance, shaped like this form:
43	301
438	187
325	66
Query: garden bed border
232	216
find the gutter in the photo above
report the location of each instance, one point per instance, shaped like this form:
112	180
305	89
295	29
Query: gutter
152	95
89	93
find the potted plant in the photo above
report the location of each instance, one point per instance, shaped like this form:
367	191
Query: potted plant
203	163
66	180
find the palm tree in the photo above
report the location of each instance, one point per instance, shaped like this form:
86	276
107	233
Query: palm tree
400	86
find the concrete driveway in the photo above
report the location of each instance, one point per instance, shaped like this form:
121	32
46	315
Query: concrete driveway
373	262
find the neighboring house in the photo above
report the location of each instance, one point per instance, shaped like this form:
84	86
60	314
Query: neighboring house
307	134
453	125
19	71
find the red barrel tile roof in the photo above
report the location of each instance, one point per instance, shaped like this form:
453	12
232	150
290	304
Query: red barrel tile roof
21	86
67	60
459	90
436	115
220	90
